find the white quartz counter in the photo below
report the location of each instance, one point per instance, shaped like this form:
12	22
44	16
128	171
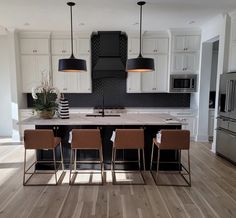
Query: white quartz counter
124	119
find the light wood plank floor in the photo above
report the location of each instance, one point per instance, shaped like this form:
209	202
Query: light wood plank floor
213	192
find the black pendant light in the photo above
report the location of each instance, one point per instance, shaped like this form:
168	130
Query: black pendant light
140	64
72	64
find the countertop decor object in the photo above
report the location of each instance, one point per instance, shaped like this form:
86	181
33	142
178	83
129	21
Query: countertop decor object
63	108
45	99
72	64
140	64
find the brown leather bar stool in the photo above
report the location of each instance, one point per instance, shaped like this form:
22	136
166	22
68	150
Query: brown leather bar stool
128	139
41	140
172	140
86	139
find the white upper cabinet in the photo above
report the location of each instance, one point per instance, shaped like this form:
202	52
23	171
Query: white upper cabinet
161	69
156	81
133	45
33	67
149	80
62	46
83	46
185	52
78	82
149	46
85	80
34	46
189	43
192	43
179	43
134	82
155	45
184	63
58	76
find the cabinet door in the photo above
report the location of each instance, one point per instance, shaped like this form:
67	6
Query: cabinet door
33	67
85	84
72	82
133	45
28	71
191	62
179	43
148	83
192	43
134	82
42	63
34	46
178	62
149	46
161	69
162	46
61	46
58	76
188	124
83	46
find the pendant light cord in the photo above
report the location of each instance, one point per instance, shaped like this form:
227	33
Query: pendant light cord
71	32
140	33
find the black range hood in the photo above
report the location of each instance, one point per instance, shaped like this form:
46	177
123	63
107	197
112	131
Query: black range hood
107	55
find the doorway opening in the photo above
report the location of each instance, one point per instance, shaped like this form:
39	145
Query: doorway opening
212	94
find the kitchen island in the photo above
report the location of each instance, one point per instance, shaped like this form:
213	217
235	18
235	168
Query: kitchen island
150	122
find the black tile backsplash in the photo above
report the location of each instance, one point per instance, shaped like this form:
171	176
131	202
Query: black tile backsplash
115	95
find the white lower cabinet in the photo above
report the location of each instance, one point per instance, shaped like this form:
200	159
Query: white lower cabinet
189	121
70	82
33	67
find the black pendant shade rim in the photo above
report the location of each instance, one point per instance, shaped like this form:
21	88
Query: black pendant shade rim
72	65
140	64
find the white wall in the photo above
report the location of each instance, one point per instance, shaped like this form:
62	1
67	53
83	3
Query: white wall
218	27
5	88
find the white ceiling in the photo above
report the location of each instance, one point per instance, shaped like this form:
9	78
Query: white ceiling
109	14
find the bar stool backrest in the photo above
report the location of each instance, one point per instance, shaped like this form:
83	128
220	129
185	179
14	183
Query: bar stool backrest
86	138
175	139
129	138
39	139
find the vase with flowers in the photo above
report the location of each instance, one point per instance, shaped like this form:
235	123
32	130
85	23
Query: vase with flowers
45	98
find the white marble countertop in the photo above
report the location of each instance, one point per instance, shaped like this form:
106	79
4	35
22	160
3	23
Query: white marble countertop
124	119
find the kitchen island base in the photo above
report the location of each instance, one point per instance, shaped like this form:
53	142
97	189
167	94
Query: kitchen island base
150	132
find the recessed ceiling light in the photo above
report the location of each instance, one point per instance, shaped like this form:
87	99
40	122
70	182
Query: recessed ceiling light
191	22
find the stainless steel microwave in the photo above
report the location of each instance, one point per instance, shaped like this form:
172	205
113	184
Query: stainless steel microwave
186	83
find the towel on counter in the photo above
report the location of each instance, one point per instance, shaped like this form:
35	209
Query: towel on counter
113	136
158	137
